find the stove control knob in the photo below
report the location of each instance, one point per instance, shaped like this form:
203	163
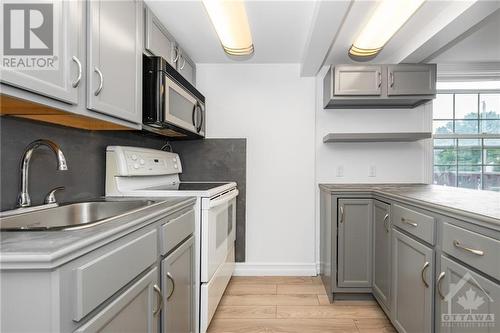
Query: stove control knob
174	159
142	161
134	157
175	166
136	166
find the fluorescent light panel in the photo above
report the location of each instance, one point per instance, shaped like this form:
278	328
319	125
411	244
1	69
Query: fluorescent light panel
387	19
231	24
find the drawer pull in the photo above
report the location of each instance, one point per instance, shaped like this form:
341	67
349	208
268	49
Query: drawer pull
386	219
439	280
173	286
160	300
409	222
468	249
422	274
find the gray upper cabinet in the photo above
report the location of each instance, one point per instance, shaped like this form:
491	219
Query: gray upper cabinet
63	80
355	243
412	287
157	40
358	80
379	86
178	283
135	310
382	253
186	67
455	282
115	58
411	80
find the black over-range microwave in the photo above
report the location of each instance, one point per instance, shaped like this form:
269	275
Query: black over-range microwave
171	105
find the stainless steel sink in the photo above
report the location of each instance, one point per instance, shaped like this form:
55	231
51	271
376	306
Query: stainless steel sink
71	216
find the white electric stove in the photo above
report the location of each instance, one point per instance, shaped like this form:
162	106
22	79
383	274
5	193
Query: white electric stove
142	172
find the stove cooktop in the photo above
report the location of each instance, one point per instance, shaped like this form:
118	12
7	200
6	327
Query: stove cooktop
185	187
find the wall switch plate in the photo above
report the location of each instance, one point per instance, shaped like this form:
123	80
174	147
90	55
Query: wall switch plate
373	171
340	171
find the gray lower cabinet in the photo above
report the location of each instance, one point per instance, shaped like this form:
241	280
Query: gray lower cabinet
114	58
355	243
178	283
412	287
62	80
135	310
411	79
465	300
382	253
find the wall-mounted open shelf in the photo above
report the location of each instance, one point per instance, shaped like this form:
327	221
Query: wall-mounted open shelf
376	137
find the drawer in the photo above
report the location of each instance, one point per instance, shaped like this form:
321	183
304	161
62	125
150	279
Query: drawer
101	277
413	222
175	231
476	250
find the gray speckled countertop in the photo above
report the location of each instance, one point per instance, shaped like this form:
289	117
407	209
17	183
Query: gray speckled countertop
49	249
480	205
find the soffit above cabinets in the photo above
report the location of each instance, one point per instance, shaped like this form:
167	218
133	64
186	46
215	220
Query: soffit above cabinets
320	32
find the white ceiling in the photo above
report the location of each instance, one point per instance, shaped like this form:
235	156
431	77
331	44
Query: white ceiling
319	32
279	29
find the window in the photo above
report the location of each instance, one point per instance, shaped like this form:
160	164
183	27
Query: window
466	126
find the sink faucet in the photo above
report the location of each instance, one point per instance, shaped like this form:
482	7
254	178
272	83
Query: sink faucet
24	197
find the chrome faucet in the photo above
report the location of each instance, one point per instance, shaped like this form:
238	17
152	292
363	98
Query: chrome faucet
24	197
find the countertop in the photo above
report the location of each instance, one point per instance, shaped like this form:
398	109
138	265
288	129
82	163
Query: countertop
49	249
481	205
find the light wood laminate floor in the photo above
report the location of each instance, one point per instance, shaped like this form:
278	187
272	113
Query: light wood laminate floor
292	304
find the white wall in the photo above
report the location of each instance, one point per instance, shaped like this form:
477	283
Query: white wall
271	106
281	116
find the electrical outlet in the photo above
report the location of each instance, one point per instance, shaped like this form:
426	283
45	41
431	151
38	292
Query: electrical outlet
340	171
373	171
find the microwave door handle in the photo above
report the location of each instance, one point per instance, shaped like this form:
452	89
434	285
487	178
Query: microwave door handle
223	199
193	116
198	129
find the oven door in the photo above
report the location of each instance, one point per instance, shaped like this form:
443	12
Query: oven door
218	232
181	108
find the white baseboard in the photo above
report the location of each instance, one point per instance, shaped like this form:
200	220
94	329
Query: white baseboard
274	269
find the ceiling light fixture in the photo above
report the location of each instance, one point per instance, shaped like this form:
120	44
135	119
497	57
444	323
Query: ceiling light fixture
231	24
388	18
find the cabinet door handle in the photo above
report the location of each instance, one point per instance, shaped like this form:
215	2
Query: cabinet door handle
409	222
177	54
439	282
422	274
169	276
159	305
183	63
468	249
391	79
386	220
79	76
341	214
379	79
101	81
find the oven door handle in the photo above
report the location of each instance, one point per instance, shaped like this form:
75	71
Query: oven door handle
224	198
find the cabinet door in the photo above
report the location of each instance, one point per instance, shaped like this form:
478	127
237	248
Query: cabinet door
358	80
133	311
412	286
178	281
186	67
411	80
115	58
355	243
467	296
157	40
382	252
63	79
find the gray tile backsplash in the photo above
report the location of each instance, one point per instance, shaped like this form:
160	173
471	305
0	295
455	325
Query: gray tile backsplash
204	160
